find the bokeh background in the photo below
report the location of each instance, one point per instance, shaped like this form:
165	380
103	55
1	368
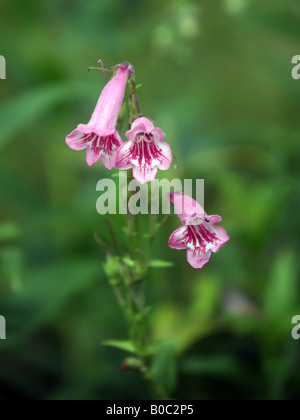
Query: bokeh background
217	77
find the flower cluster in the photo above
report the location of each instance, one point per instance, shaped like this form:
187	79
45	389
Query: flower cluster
145	152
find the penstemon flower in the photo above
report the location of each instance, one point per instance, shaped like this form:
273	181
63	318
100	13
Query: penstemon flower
198	235
100	137
126	266
145	151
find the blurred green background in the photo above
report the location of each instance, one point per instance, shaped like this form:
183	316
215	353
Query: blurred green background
217	77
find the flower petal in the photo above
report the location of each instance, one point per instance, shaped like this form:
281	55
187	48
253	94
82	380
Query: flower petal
144	173
215	219
93	153
107	110
146	158
197	259
187	209
153	155
78	140
125	156
142	122
140	125
180	238
221	237
208	237
104	148
158	134
109	151
164	155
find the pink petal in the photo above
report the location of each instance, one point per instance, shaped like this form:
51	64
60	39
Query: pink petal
164	155
154	155
99	136
187	209
125	156
180	238
78	140
221	237
146	125
209	237
145	158
197	259
215	219
158	134
144	173
101	132
109	153
93	154
104	148
107	110
140	125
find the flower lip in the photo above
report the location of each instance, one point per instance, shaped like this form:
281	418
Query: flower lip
144	152
198	235
141	124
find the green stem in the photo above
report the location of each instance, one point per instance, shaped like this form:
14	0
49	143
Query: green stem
113	237
130	292
121	301
156	393
152	231
163	221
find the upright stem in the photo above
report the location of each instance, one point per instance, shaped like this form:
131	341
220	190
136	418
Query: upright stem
130	286
113	237
152	231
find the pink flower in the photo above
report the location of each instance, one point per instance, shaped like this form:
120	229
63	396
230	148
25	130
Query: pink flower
100	136
144	152
199	234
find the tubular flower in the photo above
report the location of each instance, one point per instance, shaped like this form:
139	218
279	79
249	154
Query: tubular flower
199	234
144	151
99	137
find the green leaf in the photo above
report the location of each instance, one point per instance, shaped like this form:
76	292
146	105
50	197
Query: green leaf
129	262
27	108
157	345
163	370
206	296
280	304
125	345
9	231
280	296
46	293
12	260
161	264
